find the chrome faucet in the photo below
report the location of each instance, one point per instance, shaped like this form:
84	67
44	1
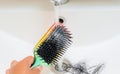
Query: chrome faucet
59	2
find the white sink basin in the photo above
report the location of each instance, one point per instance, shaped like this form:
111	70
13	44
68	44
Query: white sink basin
94	24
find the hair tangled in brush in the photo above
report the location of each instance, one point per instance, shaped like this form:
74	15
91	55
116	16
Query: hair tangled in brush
55	45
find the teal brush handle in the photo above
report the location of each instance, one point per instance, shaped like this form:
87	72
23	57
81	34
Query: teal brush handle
38	61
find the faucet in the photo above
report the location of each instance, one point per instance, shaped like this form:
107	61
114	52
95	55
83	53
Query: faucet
59	2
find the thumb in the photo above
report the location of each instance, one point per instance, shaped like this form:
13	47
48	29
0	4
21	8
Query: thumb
27	61
36	70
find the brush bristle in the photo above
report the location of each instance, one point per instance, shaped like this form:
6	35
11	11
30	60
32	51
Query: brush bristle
55	45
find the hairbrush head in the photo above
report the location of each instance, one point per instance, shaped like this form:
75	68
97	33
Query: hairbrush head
52	45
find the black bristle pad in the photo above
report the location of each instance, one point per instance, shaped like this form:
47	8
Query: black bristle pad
55	45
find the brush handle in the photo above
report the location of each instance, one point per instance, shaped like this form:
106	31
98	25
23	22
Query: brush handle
38	61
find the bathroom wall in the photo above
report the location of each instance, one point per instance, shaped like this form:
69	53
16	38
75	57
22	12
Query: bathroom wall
94	25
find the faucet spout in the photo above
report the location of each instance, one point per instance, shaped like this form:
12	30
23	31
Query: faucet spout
59	2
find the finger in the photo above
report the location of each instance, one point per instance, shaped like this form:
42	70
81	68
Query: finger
40	68
7	71
26	62
13	63
35	71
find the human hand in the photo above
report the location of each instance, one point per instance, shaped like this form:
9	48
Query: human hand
23	67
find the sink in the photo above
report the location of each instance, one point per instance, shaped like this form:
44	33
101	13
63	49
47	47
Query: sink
94	24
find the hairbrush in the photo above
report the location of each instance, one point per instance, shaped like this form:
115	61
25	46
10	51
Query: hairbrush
52	45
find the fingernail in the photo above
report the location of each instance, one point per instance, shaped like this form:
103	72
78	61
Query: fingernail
40	67
14	62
